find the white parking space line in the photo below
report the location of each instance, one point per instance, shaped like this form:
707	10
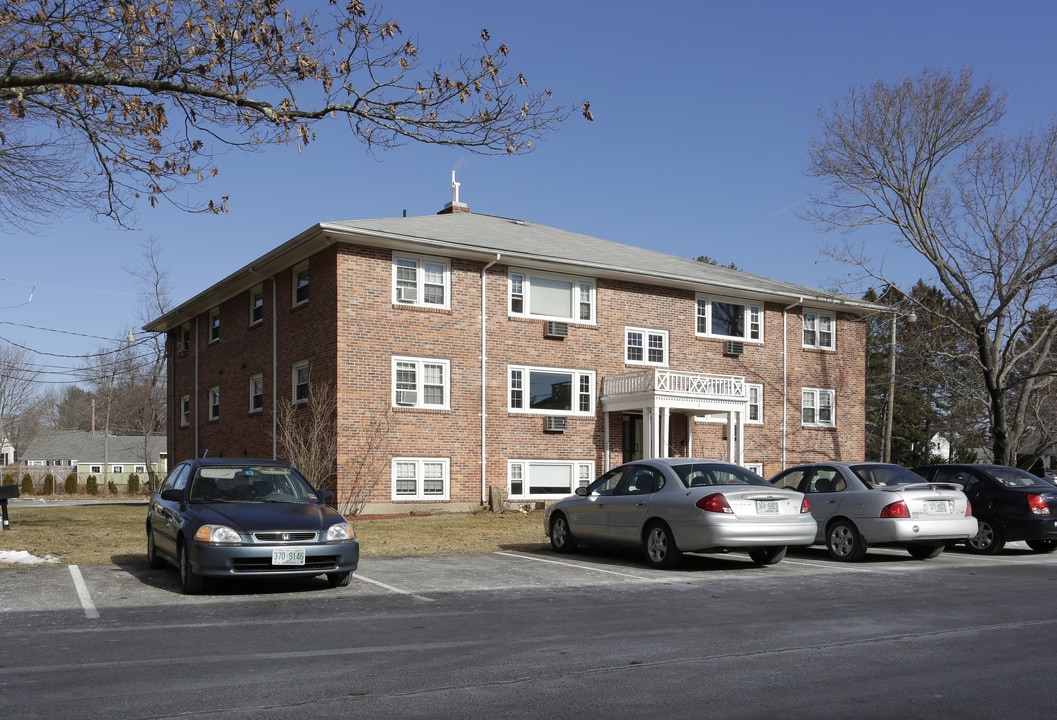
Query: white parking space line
579	566
390	588
82	593
839	566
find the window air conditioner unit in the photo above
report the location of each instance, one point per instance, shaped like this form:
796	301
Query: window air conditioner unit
556	329
735	348
406	397
406	294
556	423
181	346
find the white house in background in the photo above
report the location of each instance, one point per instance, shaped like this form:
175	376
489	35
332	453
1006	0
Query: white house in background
115	456
7	452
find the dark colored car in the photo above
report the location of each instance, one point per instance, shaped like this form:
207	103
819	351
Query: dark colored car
1009	504
221	517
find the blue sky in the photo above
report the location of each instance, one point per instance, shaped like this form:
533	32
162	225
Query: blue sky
703	114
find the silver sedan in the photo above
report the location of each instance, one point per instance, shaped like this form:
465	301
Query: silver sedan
865	504
670	506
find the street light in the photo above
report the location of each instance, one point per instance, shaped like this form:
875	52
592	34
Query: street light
889	410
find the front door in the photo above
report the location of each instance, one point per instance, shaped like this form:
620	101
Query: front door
632	437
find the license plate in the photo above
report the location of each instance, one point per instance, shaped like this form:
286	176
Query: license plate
937	507
288	556
766	506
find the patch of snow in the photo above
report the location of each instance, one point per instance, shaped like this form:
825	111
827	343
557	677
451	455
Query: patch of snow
22	557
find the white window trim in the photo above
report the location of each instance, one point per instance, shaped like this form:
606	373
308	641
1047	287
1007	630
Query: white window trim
294	285
583	474
750	306
574	298
420	399
253	378
420	281
646	333
214	409
256	290
419	463
818	315
816	393
577	376
756	467
185	416
305	364
214	325
748	394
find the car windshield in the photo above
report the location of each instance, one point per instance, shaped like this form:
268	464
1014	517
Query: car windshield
1015	477
710	475
241	483
879	475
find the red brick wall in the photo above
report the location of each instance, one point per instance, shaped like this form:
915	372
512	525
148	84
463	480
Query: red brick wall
350	330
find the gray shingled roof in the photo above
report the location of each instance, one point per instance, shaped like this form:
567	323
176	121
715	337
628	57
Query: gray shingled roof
516	242
79	446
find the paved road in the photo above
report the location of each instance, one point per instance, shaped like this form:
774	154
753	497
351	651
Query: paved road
520	635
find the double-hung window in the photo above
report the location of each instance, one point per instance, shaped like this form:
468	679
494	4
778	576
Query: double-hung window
551	297
214	403
730	319
299	380
551	391
541	479
817	407
214	325
185	411
421	383
300	284
645	347
754	415
421	281
819	330
421	478
256	304
257	393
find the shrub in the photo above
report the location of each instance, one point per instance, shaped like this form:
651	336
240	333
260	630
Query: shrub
92	485
9	479
49	485
133	484
27	484
111	487
71	484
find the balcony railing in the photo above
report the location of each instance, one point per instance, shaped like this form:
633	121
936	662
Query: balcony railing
696	385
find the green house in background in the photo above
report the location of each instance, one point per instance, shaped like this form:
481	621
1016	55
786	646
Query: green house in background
110	459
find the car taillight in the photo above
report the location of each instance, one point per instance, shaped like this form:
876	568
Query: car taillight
805	506
968	508
897	509
715	502
1037	505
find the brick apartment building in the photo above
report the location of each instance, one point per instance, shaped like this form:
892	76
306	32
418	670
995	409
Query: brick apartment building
503	354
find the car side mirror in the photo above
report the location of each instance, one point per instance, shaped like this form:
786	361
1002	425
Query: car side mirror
581	491
171	495
326	496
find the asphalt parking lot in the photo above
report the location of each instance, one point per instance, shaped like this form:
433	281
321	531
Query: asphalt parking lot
91	592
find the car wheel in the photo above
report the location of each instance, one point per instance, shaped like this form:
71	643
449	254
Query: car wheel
924	552
844	543
340	579
562	539
661	551
987	541
1042	546
191	582
155	562
768	555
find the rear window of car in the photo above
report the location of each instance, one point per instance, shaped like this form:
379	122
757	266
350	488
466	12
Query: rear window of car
702	475
1015	477
882	476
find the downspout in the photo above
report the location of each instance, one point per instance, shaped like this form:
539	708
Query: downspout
275	371
197	329
785	378
484	380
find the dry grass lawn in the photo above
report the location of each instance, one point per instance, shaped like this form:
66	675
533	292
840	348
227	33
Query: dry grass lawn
105	534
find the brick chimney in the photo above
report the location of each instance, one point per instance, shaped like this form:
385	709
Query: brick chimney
454	206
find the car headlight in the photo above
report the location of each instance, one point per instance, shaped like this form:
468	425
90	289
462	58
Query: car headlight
341	531
217	534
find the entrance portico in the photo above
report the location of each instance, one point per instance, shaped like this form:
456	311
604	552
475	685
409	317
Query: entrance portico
656	393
